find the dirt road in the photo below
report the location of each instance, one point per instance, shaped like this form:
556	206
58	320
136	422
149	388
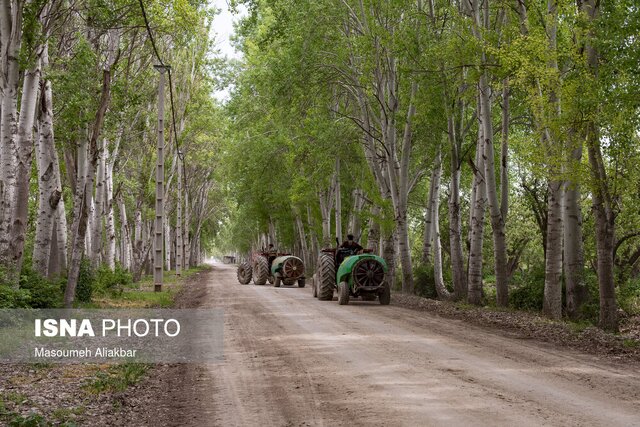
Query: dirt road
291	360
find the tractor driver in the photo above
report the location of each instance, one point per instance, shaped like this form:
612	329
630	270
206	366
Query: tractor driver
350	243
272	253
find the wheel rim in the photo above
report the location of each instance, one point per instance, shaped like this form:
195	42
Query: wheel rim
293	267
368	272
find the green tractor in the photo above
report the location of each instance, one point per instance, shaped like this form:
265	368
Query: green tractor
358	275
287	269
261	269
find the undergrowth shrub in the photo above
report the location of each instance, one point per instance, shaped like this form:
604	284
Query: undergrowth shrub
86	281
107	281
527	289
424	282
629	297
590	310
43	293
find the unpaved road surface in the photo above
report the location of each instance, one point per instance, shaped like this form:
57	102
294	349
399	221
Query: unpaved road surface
291	360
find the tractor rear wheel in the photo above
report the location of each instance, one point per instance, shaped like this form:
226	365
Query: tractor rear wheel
326	280
343	293
244	273
276	282
260	271
301	282
385	295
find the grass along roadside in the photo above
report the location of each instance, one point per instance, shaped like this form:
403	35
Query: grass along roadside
142	295
46	394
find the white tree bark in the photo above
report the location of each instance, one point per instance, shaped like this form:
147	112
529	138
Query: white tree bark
109	220
186	240
179	246
326	205
455	220
552	305
62	231
427	241
476	226
353	224
98	211
373	237
576	291
338	194
167	237
125	237
302	238
441	289
49	219
314	243
24	150
10	42
83	192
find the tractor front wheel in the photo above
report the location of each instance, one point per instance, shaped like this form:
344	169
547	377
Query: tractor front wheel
385	295
260	271
244	273
343	293
326	277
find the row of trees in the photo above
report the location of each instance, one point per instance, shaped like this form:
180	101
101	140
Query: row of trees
78	131
391	113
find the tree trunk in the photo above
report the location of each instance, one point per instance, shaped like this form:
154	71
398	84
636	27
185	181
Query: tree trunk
354	225
125	237
139	252
187	227
481	23
388	253
441	289
179	247
576	290
553	142
373	239
497	221
10	42
455	219
83	193
62	232
110	226
302	238
313	238
24	150
98	208
605	233
602	200
338	202
326	205
49	188
477	225
427	242
552	306
167	237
